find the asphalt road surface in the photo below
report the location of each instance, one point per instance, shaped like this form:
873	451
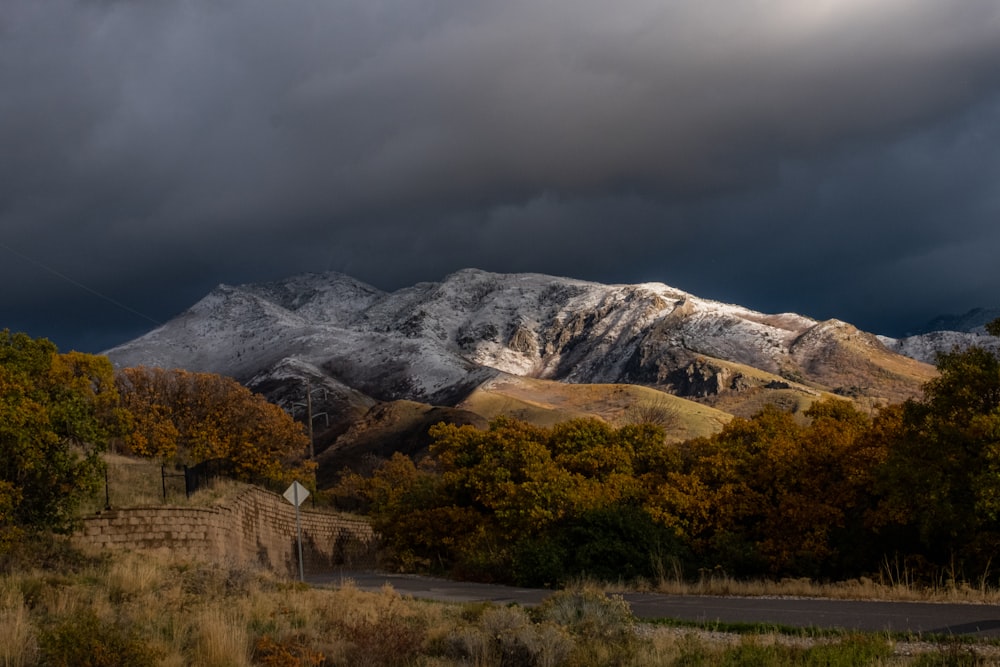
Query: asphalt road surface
914	617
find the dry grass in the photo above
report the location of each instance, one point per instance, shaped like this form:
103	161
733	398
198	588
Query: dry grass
221	638
864	588
17	636
545	402
184	613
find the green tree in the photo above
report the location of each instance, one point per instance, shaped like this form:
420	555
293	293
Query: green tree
57	412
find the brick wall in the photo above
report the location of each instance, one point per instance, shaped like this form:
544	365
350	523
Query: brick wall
255	527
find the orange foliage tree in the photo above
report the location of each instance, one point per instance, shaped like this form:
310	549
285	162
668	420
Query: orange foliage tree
176	415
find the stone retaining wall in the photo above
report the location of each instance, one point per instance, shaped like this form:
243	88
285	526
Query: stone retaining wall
256	527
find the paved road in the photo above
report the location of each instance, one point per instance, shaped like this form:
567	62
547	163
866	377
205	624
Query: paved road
917	617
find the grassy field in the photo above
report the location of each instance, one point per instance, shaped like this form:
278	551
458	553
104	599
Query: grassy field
148	609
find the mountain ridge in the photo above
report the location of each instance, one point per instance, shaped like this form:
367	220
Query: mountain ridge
436	341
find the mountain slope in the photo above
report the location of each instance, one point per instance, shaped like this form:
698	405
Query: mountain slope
445	342
546	402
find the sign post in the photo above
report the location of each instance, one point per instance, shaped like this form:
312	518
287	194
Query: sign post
296	494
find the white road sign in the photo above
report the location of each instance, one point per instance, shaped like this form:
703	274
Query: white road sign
296	494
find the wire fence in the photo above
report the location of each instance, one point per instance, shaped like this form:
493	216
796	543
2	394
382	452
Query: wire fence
139	483
132	482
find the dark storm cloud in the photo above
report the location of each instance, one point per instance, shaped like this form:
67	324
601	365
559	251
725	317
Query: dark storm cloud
828	157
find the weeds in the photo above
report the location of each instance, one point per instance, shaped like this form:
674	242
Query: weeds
133	482
768	651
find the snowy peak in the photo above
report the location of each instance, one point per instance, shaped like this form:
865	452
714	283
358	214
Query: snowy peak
319	297
218	332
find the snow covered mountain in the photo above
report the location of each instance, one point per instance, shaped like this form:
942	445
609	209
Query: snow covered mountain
974	321
947	333
437	342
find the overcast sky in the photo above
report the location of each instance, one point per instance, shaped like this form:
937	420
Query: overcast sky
837	158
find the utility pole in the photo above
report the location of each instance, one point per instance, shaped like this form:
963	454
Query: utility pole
309	416
308	405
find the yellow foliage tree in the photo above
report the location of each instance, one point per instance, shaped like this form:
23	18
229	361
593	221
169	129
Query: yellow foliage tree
57	412
484	499
767	493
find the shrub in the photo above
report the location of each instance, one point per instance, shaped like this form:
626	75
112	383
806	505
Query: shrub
603	625
540	562
507	637
289	652
589	613
389	639
84	640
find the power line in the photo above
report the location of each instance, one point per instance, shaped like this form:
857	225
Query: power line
77	283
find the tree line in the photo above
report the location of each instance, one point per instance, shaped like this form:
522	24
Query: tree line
838	495
60	411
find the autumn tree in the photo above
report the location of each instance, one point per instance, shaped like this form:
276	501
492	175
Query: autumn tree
940	483
768	494
57	413
518	502
185	417
421	528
